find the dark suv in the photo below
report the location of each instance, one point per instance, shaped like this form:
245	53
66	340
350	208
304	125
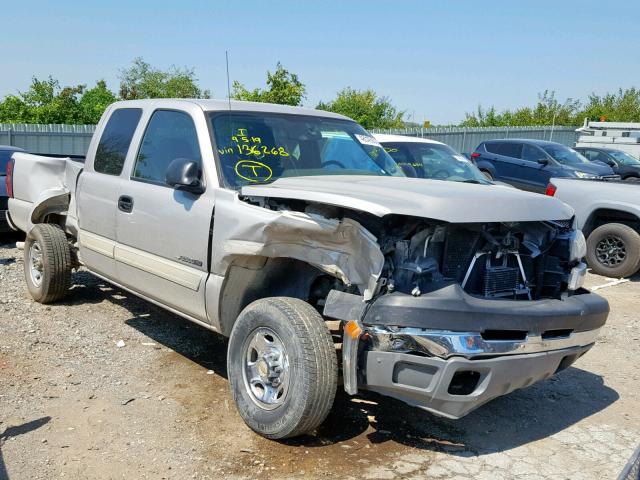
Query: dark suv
622	163
5	154
529	164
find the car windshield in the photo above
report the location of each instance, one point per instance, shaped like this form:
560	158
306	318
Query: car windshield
259	148
564	155
433	161
623	158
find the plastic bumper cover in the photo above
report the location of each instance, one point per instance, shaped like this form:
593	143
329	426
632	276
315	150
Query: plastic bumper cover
454	387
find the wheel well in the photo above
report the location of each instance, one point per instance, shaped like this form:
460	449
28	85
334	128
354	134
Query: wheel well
250	278
604	215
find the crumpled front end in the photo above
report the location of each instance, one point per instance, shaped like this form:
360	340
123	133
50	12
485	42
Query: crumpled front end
470	313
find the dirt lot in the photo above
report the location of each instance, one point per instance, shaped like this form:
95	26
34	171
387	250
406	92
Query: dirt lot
75	404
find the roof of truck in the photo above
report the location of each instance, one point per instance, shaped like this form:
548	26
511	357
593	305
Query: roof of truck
224	105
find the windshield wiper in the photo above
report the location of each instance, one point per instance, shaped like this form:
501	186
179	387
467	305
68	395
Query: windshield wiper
471	180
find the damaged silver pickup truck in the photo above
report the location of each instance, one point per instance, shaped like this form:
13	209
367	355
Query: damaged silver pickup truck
269	223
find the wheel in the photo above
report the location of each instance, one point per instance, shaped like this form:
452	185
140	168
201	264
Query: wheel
47	263
613	250
487	174
282	367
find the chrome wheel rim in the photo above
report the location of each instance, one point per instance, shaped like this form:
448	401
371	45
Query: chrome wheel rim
36	265
611	251
266	368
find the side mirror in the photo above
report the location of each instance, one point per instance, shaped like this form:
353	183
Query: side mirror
184	174
543	161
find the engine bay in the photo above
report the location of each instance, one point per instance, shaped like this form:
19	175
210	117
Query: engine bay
519	261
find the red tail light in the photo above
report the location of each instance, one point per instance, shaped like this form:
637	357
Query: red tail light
551	190
474	155
9	178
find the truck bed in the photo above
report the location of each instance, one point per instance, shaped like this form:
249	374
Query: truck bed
43	181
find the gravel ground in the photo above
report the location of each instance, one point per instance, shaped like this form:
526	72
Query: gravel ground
73	403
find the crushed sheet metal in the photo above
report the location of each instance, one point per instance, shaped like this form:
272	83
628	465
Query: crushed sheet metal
343	249
49	181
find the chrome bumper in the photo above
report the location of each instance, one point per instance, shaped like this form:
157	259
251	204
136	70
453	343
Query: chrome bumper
446	344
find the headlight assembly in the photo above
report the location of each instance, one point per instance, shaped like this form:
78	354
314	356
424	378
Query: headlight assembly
578	246
585	175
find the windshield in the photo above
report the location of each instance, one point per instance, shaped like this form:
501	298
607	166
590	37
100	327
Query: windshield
260	148
564	155
623	158
433	161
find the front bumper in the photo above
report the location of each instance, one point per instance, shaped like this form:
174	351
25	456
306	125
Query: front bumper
449	352
454	387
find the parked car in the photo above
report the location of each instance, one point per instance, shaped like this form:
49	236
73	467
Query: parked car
530	164
623	164
5	154
609	215
446	294
424	158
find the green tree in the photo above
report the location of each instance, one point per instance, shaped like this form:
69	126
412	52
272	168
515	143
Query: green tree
366	108
141	80
44	102
94	102
283	87
547	111
622	106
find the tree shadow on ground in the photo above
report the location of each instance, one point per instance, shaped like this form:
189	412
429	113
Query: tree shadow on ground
11	432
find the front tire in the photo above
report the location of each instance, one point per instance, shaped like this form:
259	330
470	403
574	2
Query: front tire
282	367
613	250
47	263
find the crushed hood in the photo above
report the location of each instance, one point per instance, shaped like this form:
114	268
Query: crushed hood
453	202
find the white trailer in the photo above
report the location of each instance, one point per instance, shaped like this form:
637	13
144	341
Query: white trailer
623	136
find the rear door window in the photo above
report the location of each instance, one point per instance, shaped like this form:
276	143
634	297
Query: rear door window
115	140
169	135
509	149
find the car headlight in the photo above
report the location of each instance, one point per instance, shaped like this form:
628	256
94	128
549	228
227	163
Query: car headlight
585	175
578	246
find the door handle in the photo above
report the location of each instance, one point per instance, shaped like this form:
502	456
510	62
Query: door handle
125	203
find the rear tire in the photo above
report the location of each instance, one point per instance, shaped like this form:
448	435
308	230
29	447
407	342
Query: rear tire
282	367
47	263
613	250
487	174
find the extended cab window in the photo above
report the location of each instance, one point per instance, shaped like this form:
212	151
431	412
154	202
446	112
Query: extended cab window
169	135
115	140
258	148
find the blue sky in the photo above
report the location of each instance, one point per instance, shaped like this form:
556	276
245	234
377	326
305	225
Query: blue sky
435	60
